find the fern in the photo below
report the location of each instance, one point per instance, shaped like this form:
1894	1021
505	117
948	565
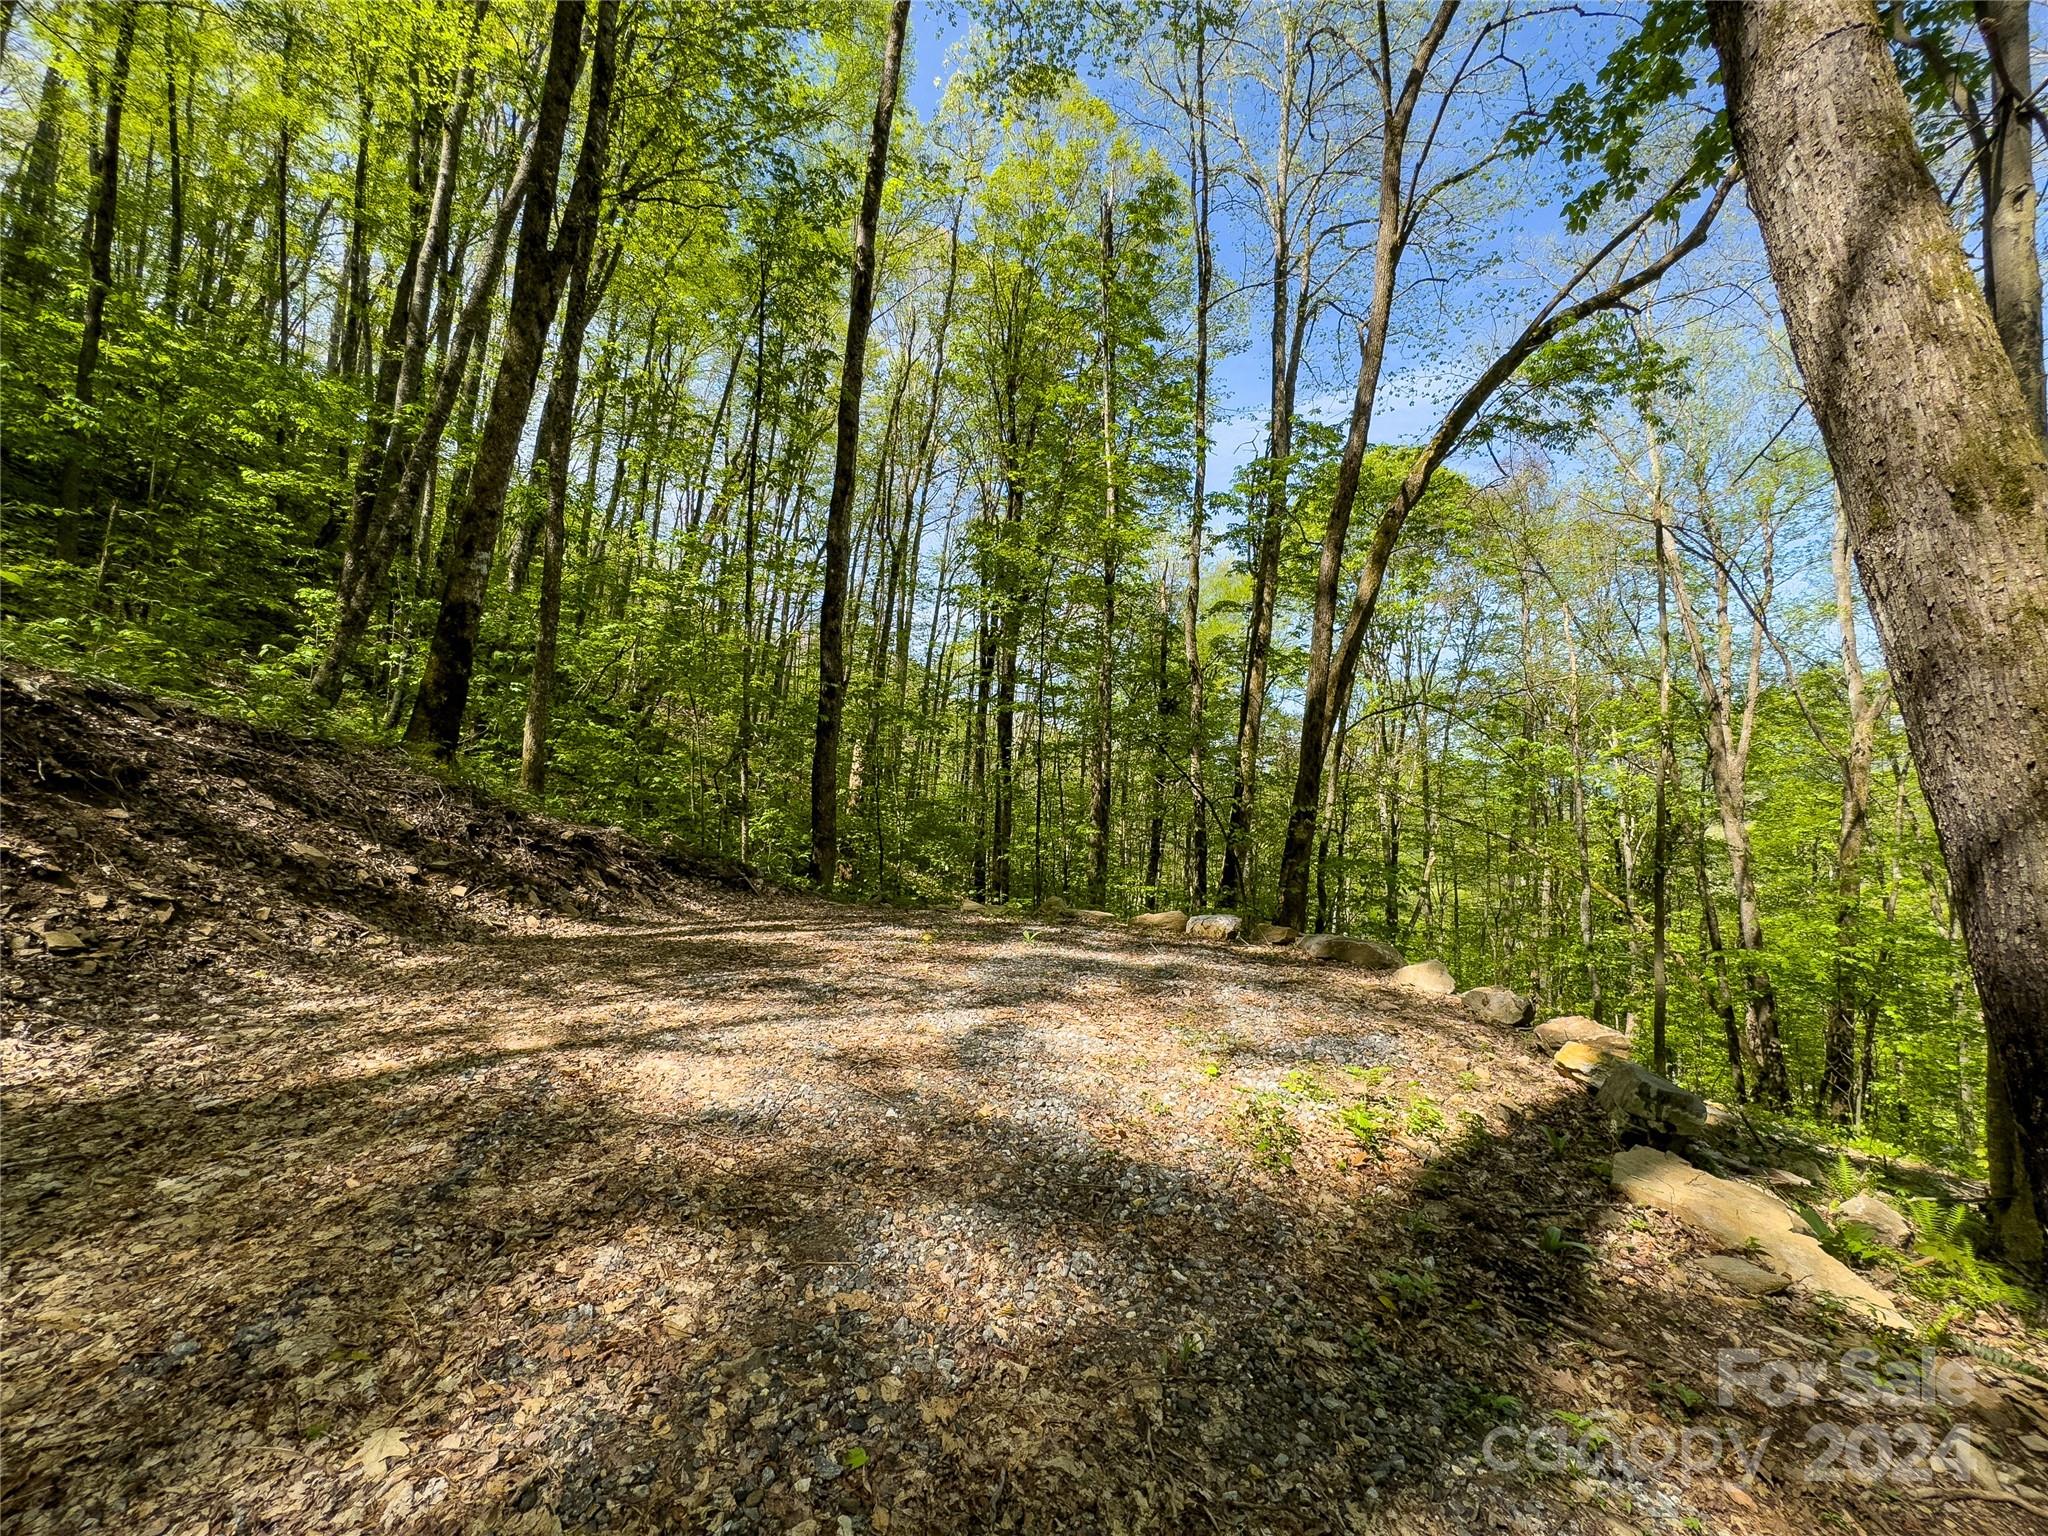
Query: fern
1844	1181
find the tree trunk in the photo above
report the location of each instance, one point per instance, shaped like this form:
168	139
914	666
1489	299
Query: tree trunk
557	420
1942	473
99	263
174	251
1191	640
824	866
1837	1097
1105	662
2012	255
536	285
356	593
27	268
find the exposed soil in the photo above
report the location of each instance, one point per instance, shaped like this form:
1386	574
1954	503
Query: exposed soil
380	1157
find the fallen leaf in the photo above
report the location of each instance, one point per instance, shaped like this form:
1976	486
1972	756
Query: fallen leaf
381	1449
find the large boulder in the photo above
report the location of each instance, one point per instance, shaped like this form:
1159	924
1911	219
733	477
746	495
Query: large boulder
1498	1005
1744	1218
1572	1026
1160	922
1367	954
1272	935
1883	1220
1214	927
1589	1060
1637	1099
1425	976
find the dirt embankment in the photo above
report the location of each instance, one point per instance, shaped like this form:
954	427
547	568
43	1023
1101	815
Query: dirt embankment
140	835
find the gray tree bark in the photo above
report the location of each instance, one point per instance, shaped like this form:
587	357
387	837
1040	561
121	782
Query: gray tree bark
1943	476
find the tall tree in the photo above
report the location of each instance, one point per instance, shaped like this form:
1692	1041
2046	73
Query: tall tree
536	288
1943	475
99	260
1406	193
824	866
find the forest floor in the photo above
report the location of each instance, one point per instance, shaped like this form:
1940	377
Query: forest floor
378	1157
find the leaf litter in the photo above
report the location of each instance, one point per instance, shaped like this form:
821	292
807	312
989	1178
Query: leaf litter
410	1162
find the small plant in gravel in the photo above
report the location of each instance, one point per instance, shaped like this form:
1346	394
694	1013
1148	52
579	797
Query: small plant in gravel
1303	1085
1370	1123
1425	1118
1266	1129
1405	1292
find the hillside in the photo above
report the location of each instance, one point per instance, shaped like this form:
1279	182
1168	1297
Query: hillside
379	1156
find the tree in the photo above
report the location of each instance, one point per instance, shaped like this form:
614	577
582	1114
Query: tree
824	866
1944	477
536	288
1405	196
99	262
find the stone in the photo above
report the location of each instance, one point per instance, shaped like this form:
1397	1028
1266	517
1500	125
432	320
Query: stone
1425	976
1367	954
1741	1275
1272	934
1737	1215
1636	1098
1215	927
1498	1005
1160	922
1970	1462
1572	1026
1588	1060
1883	1220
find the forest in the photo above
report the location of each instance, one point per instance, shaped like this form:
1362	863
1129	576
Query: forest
1587	700
1556	490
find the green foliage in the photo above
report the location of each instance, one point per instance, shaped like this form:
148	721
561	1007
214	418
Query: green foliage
1017	623
1370	1123
1264	1125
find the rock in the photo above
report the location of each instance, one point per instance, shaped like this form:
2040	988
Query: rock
1742	1216
1883	1219
1498	1005
1572	1026
1160	922
1367	954
1969	1462
1272	934
1589	1060
1741	1275
1214	927
1724	1121
1425	976
1637	1098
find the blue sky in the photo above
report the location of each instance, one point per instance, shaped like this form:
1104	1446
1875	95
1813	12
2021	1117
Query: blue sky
1415	382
